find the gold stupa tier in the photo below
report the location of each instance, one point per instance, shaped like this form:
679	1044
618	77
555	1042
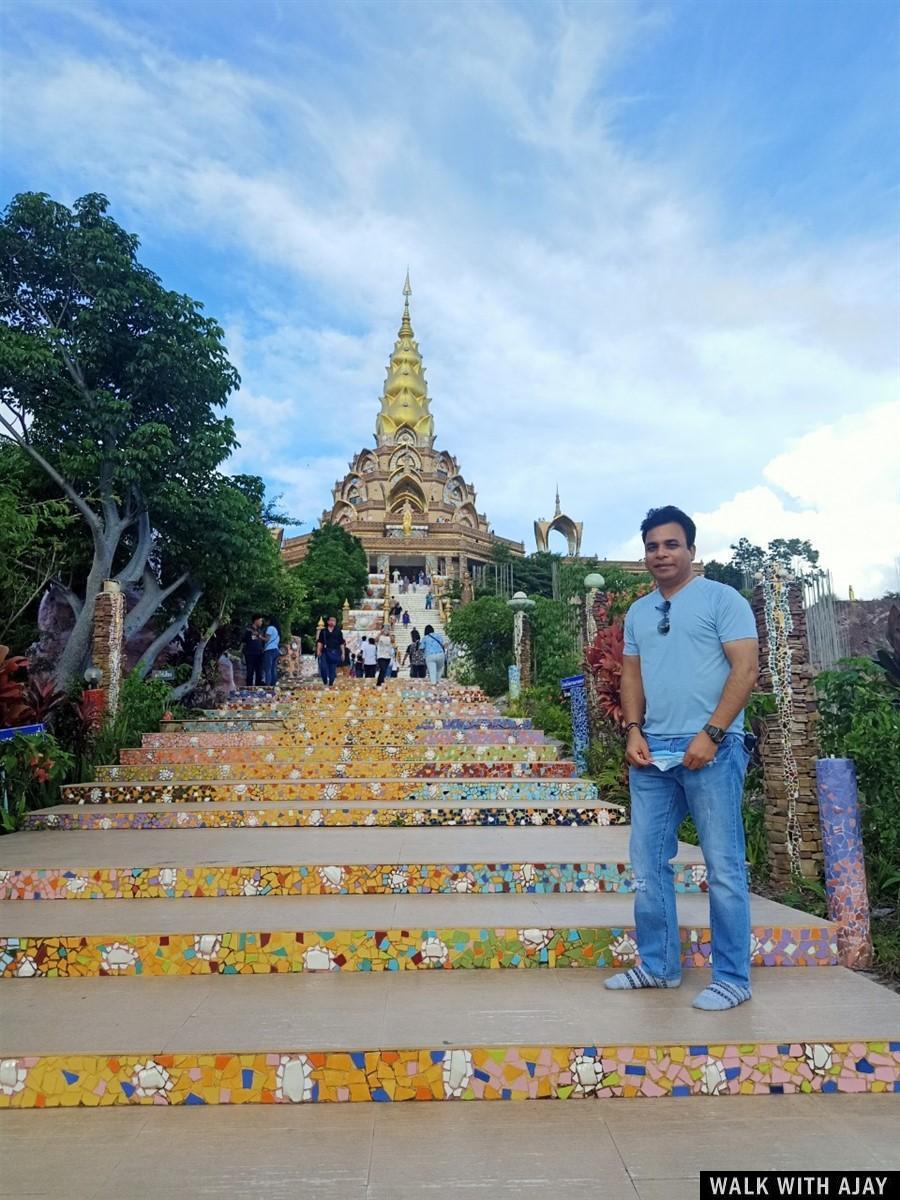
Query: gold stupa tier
404	402
407	502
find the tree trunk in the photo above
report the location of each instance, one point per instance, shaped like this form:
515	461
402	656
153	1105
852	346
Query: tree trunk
77	650
168	635
188	686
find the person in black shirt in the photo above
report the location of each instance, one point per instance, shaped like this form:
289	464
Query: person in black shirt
254	641
330	650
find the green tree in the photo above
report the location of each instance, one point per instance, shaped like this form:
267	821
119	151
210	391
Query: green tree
111	385
724	573
334	570
484	629
36	544
553	638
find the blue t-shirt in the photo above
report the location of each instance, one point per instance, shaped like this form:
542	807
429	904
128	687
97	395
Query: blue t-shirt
273	641
684	671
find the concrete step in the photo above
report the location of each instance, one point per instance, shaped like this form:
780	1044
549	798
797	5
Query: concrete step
404	1035
502	792
232	862
298	813
371	933
387	768
509	1152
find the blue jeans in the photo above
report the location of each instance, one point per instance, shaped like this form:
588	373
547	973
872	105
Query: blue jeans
270	658
659	802
328	665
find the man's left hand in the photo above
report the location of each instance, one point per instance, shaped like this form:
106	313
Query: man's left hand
700	752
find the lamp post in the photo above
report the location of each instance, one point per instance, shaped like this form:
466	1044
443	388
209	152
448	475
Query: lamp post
521	606
592	585
93	698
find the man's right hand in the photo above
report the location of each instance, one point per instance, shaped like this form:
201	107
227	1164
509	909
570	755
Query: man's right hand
637	752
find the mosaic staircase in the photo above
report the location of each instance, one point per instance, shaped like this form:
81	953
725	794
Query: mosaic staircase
393	880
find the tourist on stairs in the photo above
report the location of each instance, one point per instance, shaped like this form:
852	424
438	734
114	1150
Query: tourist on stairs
253	645
689	666
270	653
385	653
435	654
370	658
415	655
330	650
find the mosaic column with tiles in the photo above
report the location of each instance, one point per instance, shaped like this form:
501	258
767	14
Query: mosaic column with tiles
106	641
845	868
788	748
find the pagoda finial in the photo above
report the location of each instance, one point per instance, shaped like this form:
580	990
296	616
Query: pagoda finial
558	512
404	402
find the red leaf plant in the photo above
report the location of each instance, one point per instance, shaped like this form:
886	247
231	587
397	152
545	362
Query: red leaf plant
13	706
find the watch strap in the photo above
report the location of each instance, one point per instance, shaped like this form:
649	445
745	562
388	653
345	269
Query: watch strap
714	732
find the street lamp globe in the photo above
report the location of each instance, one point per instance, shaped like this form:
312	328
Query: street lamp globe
594	580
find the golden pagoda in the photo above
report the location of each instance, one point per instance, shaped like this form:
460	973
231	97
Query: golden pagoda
406	501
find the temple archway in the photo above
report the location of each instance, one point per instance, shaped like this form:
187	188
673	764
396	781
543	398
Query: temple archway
406	489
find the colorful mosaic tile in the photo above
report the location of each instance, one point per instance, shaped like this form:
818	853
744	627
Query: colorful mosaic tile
205	816
189	748
249	953
502	793
389	767
483	1073
153	882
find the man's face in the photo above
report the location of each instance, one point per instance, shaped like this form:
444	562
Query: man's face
667	555
331	622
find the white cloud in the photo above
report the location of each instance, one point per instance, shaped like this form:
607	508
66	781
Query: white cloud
838	486
583	318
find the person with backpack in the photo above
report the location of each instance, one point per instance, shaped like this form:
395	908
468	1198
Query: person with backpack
415	655
435	653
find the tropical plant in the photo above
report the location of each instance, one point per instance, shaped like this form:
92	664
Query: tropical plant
13	706
484	629
31	768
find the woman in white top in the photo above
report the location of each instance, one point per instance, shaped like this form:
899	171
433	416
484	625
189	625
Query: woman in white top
385	650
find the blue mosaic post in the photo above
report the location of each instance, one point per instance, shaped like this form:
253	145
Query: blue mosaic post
845	869
515	682
575	688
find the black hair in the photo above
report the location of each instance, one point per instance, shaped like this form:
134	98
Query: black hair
669	515
415	636
256	617
429	629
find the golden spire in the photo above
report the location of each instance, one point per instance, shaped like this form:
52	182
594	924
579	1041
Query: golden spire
404	401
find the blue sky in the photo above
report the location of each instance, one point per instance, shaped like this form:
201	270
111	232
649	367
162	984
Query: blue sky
653	246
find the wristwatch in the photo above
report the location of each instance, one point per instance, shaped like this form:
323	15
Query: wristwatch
715	733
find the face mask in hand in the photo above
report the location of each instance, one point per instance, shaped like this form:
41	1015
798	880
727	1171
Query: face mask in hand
666	759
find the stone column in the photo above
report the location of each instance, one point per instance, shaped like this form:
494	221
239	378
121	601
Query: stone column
580	736
106	641
845	868
788	749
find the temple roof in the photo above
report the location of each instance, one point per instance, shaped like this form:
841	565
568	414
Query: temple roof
404	401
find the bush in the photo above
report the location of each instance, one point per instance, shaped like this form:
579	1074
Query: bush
31	768
484	628
142	704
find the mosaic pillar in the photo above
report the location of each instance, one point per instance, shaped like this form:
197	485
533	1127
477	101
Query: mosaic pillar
106	640
845	868
579	709
384	566
522	647
431	565
788	748
515	683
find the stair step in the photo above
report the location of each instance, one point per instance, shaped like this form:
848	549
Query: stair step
301	752
502	792
297	813
356	933
230	862
405	1035
388	768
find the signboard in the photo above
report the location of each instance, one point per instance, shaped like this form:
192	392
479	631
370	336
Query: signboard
7	734
571	681
164	673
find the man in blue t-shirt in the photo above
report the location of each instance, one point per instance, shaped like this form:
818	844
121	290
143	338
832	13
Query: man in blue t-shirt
690	664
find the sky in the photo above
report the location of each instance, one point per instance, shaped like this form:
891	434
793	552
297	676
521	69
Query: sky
653	245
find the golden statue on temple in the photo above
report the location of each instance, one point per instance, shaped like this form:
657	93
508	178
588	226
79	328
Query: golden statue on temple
407	519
